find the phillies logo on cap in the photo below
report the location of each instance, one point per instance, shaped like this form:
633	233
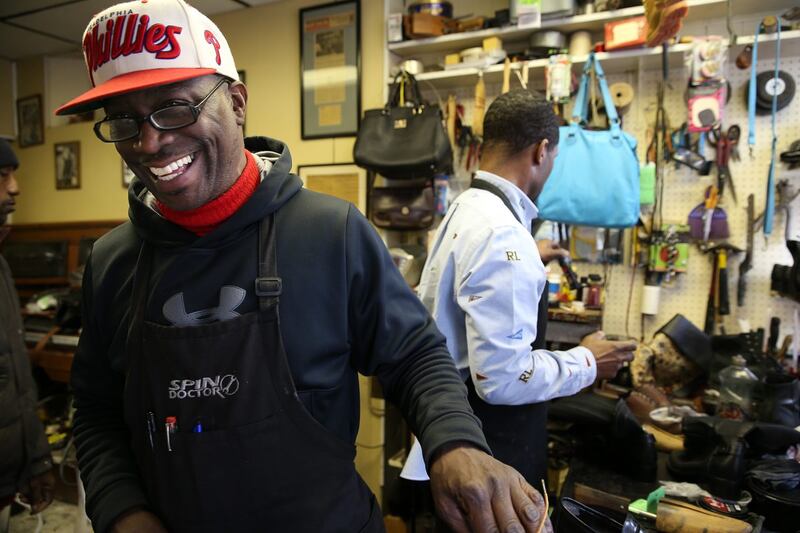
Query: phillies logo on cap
146	43
129	34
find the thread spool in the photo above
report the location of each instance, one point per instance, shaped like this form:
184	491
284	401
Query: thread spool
651	295
580	43
622	94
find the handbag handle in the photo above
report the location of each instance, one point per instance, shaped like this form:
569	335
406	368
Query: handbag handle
411	90
581	109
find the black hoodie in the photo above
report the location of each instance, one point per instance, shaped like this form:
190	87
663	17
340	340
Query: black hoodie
344	309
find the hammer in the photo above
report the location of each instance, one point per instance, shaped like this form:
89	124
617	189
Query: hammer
718	300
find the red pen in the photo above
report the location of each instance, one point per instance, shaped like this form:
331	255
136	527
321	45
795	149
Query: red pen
171	426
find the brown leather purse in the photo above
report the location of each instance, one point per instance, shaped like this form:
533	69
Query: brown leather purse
402	208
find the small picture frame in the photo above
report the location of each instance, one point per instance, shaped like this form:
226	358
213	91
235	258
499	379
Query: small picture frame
68	165
127	174
30	121
342	180
330	70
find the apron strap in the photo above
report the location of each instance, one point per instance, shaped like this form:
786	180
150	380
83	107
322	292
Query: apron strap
268	286
494	189
139	299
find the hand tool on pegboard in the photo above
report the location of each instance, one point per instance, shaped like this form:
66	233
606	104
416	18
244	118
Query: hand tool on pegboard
726	143
718	297
747	263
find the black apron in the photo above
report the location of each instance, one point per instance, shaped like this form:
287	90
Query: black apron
246	455
517	434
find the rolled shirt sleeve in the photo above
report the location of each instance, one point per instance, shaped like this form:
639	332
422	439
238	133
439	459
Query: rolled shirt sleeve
500	284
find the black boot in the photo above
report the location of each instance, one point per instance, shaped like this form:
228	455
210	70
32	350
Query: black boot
781	400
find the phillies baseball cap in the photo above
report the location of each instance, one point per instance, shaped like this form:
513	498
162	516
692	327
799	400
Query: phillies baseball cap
146	43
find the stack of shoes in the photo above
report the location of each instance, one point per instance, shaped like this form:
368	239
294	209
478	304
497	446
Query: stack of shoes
664	19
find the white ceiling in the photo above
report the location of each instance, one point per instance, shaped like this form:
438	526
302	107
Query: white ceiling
36	27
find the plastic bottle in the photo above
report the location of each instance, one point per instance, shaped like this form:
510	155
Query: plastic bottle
736	390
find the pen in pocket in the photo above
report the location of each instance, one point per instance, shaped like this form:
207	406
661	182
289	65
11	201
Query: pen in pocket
171	426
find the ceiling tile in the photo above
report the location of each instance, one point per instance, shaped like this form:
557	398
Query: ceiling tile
67	21
16	43
215	7
11	7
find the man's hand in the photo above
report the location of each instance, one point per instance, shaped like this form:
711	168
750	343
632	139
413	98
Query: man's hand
138	521
39	491
550	250
475	492
610	355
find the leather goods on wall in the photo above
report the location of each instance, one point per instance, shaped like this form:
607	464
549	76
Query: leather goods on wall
595	178
402	208
406	139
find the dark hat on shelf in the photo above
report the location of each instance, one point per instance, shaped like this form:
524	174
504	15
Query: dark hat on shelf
7	156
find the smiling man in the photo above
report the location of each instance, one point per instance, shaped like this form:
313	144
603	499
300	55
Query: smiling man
197	409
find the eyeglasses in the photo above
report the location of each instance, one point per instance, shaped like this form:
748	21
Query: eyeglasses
171	117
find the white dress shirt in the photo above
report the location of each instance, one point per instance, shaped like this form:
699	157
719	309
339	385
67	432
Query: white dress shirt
482	283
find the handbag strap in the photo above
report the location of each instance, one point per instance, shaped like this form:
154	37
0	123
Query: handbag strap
751	94
769	210
581	109
406	82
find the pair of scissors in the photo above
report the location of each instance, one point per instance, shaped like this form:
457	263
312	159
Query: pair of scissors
726	145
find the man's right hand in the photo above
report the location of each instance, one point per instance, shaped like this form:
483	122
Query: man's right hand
138	521
610	355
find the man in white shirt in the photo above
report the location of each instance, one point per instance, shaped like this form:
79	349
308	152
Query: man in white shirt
484	284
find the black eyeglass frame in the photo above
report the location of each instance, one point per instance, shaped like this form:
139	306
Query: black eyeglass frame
194	108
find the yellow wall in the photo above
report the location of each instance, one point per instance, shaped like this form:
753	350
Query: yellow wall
265	43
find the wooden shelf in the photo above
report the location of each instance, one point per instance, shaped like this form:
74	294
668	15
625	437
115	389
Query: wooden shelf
613	62
698	10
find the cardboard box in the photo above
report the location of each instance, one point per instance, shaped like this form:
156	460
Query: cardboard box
421	25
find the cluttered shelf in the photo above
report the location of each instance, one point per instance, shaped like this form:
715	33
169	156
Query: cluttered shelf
617	61
698	10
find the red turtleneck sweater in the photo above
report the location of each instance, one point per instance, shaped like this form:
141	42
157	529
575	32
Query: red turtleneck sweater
207	217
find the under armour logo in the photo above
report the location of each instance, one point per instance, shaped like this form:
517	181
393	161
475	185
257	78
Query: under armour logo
230	297
210	39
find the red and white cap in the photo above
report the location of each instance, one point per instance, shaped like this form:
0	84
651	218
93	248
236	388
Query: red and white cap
145	43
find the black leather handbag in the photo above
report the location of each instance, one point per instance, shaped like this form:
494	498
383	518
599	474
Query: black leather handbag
402	208
406	139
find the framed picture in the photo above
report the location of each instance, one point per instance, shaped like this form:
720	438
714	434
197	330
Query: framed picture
127	174
68	165
29	118
330	70
342	180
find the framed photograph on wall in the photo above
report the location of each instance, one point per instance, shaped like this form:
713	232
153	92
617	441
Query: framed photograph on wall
68	165
330	70
127	174
29	120
342	180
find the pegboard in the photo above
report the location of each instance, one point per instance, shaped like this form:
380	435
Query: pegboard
684	189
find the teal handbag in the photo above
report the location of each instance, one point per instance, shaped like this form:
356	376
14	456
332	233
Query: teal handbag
595	177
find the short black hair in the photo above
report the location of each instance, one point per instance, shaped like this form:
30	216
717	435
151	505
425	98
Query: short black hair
519	119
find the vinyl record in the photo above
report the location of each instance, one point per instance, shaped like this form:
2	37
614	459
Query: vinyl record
766	86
